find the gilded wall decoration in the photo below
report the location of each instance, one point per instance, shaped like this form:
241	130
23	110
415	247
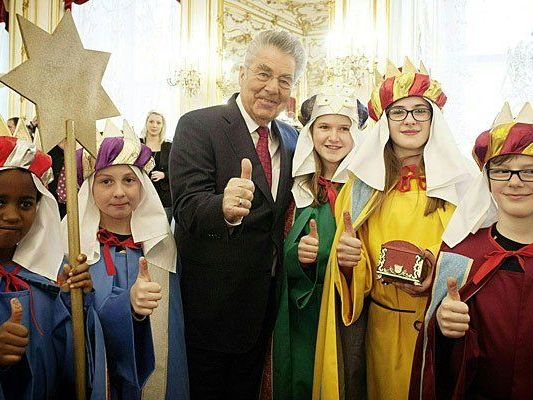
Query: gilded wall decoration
240	20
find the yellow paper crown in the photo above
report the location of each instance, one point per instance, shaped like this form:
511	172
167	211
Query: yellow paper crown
398	83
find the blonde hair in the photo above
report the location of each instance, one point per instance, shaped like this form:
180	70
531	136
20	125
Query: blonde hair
393	166
162	133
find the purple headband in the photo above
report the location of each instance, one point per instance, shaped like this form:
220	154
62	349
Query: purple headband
109	150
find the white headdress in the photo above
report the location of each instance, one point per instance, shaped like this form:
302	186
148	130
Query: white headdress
39	251
149	224
303	164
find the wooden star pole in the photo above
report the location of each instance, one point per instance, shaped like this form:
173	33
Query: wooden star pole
64	81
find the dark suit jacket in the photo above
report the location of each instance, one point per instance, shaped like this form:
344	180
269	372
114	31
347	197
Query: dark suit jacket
226	277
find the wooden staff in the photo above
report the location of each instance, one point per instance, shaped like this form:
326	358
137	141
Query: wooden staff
74	250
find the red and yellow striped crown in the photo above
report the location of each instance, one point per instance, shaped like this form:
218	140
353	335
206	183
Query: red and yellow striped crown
400	83
17	153
507	135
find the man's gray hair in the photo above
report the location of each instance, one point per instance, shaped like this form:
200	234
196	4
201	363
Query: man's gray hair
282	40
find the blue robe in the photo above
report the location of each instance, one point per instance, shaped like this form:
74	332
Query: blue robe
46	370
129	344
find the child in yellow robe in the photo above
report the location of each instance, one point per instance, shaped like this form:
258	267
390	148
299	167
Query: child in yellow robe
408	176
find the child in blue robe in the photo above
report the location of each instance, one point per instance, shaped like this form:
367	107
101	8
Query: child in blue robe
133	260
36	348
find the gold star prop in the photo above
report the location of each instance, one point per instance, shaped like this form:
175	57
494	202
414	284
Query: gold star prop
64	81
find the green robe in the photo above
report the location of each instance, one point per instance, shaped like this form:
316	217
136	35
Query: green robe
294	338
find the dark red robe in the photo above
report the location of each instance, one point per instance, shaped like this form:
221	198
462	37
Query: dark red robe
494	360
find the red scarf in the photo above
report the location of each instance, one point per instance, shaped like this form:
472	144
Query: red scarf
109	239
494	259
331	189
15	284
407	173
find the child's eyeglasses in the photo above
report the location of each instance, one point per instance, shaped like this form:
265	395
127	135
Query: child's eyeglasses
498	174
399	114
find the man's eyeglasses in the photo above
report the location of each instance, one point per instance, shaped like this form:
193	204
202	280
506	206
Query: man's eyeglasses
399	114
500	174
284	82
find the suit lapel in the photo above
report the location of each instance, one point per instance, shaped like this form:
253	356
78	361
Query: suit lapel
243	146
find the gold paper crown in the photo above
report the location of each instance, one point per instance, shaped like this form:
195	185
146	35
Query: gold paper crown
397	84
507	135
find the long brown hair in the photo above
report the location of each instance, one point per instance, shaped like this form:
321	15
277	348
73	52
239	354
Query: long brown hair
393	166
311	181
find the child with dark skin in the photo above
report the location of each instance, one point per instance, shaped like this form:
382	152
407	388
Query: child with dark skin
19	199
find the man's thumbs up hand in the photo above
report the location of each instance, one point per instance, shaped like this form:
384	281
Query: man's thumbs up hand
238	194
144	294
13	336
246	169
452	314
308	246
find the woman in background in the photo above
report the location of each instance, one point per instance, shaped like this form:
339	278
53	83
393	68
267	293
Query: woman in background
153	135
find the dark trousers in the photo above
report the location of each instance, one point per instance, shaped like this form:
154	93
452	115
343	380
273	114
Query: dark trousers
236	376
214	375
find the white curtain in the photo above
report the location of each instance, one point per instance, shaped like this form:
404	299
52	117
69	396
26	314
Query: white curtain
484	56
480	50
4	69
143	39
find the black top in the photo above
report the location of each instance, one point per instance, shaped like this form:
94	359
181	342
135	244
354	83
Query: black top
58	161
161	164
510	263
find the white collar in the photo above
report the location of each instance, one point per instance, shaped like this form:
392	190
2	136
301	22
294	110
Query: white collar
250	123
476	209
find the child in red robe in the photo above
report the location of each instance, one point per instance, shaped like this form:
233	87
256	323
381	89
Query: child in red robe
476	339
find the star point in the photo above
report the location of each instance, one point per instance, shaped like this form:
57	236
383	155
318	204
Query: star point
63	80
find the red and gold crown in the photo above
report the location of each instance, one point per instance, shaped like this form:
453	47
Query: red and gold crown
508	135
17	153
404	82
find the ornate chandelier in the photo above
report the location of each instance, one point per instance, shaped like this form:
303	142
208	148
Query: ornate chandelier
186	78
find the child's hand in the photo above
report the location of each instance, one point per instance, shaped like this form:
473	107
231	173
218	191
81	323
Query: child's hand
13	336
308	246
348	248
78	277
144	293
452	314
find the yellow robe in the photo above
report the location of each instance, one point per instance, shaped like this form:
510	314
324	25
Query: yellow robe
391	336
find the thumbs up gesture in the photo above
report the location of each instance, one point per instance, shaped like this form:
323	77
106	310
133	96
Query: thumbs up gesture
348	248
13	336
144	293
308	245
452	314
238	194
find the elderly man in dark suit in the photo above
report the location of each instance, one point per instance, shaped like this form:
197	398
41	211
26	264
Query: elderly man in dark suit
230	175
